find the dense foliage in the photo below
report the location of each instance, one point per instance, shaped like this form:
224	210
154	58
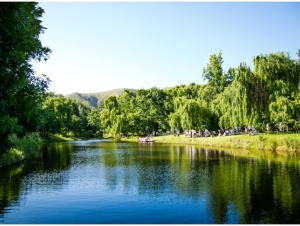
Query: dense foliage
239	97
25	107
267	95
245	99
21	91
67	117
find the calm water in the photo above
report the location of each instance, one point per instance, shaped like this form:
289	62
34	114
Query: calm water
106	182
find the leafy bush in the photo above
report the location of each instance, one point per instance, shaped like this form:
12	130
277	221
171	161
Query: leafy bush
69	134
11	156
25	144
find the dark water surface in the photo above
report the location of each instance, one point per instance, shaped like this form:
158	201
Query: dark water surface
107	182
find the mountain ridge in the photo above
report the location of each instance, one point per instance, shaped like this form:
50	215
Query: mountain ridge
95	99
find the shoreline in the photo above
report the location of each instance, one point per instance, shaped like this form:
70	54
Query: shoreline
279	143
44	141
262	142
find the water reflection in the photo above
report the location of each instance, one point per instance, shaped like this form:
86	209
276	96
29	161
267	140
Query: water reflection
154	183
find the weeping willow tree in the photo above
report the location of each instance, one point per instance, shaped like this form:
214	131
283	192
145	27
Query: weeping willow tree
235	106
267	95
129	120
174	120
110	116
280	75
135	113
189	114
282	110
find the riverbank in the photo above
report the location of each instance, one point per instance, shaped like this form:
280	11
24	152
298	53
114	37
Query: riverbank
56	138
24	148
263	141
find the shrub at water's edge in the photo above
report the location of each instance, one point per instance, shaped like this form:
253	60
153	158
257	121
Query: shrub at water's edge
25	147
57	138
11	156
268	142
26	143
21	149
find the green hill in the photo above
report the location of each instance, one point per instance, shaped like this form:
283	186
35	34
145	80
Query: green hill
94	99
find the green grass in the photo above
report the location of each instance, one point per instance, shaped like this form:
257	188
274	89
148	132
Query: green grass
270	142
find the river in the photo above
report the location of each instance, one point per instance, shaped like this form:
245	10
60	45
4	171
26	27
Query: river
106	182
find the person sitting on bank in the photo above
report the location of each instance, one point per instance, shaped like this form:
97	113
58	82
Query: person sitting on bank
219	133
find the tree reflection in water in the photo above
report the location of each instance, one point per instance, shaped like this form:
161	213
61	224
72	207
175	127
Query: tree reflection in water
224	186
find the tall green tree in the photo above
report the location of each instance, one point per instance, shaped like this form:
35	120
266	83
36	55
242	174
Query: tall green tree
214	74
269	94
21	90
58	114
131	122
235	106
151	109
65	116
189	114
93	119
280	76
110	117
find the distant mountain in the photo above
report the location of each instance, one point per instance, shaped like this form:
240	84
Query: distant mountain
94	99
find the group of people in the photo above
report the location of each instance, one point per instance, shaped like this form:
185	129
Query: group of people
206	133
193	133
228	132
145	139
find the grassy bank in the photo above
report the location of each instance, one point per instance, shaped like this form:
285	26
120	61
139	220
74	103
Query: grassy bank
270	142
56	138
25	147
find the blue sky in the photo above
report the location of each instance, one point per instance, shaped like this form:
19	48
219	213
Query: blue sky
98	46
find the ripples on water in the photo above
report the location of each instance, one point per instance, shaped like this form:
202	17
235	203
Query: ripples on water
108	182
